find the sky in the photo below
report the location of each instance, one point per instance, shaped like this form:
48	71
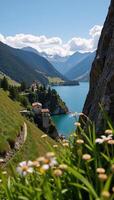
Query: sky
53	26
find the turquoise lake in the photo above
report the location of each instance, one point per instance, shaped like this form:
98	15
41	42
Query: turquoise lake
74	97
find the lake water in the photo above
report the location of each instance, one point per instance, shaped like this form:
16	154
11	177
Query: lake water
74	97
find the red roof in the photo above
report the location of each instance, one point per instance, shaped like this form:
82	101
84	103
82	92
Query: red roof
36	104
45	110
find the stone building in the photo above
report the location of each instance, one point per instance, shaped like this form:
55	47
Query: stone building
45	118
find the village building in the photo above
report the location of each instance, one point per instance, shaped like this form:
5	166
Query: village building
34	86
37	107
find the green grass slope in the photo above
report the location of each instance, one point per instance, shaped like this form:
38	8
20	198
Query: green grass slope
10	124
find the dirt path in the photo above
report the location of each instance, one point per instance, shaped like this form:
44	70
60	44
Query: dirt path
25	131
21	139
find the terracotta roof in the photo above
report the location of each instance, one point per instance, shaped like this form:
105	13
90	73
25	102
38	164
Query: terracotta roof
35	104
45	110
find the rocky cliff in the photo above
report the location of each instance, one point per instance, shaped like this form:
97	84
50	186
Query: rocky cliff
102	75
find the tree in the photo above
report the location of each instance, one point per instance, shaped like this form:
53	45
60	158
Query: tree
32	97
49	91
24	101
4	84
23	86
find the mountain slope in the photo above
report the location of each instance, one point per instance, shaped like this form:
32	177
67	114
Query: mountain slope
30	49
10	124
64	64
79	71
25	66
75	59
10	81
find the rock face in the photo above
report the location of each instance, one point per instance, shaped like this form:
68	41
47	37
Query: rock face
102	75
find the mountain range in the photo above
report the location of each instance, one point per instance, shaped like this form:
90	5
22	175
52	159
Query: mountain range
81	70
26	66
74	67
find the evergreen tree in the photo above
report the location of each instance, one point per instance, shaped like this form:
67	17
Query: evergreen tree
33	97
4	84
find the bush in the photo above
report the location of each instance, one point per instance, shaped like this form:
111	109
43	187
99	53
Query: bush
24	101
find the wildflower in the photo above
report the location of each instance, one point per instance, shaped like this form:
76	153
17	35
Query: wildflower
4	172
81	114
44	136
99	141
103	177
53	162
46	161
57	172
105	194
109	137
110	142
50	154
79	141
77	124
86	157
35	163
103	139
65	141
41	159
55	146
24	168
100	170
63	167
66	144
45	167
108	132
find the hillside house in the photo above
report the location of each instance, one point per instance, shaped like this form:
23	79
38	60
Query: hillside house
37	107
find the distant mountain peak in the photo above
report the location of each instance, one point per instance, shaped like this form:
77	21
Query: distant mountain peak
30	49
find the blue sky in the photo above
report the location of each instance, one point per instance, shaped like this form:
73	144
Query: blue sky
65	19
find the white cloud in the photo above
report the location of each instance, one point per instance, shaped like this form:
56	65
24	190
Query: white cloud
95	31
55	45
83	44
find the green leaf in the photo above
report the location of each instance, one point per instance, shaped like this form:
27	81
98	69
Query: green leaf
84	181
64	191
23	198
106	157
108	183
77	185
